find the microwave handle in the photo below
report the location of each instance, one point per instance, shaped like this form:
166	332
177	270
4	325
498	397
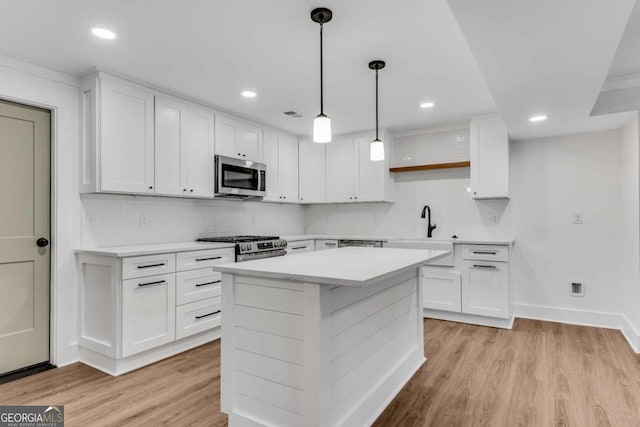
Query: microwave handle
262	180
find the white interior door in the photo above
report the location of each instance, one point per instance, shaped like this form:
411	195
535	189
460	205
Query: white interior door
24	218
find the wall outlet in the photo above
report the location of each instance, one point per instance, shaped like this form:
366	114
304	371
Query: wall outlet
576	289
493	218
577	218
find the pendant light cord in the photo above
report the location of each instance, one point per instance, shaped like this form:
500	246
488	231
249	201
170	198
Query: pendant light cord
321	76
376	105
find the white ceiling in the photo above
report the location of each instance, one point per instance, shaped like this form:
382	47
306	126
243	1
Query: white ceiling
212	50
626	61
547	56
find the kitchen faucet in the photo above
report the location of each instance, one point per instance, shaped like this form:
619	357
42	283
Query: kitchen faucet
430	227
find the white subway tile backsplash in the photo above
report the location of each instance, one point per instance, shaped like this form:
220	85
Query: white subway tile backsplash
445	191
113	220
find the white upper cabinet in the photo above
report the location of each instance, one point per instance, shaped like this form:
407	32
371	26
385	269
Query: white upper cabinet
350	174
184	149
489	158
312	172
118	136
238	139
281	158
372	179
340	170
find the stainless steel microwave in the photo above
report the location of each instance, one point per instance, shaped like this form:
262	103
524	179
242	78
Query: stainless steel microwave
239	179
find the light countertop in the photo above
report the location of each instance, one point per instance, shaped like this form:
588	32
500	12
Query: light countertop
350	266
151	249
468	241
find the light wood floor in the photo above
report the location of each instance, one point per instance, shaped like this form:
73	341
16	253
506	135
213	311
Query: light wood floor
538	374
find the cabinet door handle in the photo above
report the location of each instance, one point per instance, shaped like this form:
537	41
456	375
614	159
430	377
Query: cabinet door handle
484	266
207	315
329	244
151	265
208	259
297	247
207	283
485	252
152	283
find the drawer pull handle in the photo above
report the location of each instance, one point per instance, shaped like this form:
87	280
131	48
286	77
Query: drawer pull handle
207	315
484	266
485	252
208	259
152	283
208	283
298	247
162	264
329	244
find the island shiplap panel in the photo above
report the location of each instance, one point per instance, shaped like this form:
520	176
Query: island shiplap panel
270	369
270	392
357	312
274	346
271	322
344	341
269	414
367	340
268	350
343	296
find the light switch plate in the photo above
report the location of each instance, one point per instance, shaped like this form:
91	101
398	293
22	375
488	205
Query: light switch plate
577	218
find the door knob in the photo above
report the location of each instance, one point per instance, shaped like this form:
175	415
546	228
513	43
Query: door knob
42	242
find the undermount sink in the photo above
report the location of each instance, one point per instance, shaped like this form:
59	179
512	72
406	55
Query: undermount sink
429	244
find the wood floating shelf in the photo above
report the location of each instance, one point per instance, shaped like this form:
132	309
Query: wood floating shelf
431	167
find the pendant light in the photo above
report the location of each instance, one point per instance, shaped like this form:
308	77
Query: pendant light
322	123
376	148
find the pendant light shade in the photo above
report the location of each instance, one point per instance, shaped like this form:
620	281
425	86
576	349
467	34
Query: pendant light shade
376	149
322	123
322	129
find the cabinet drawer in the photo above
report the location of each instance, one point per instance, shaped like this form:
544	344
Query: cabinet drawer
196	285
197	317
207	258
485	253
300	246
148	265
326	244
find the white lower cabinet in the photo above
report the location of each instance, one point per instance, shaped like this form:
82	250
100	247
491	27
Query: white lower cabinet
485	288
477	284
441	288
137	310
148	313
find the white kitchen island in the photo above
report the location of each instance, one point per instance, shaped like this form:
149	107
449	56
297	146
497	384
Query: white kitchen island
321	338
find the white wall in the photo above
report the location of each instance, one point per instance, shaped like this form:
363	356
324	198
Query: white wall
28	84
445	191
551	179
113	220
630	210
593	174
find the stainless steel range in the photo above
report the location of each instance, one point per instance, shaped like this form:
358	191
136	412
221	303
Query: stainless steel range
252	247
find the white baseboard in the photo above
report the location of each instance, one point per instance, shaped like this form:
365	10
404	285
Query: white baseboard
573	316
117	367
472	319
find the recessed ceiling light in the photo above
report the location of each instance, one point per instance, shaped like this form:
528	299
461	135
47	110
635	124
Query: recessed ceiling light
103	33
249	94
540	118
427	105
